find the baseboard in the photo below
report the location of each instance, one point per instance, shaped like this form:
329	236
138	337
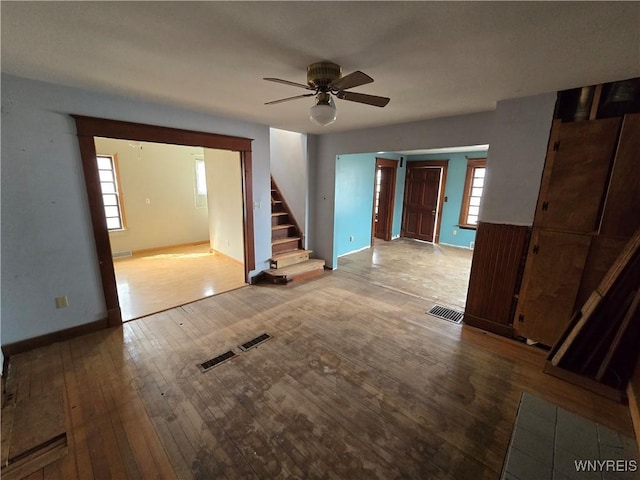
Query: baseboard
43	340
504	330
217	252
146	251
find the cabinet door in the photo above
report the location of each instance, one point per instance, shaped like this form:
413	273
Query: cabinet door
621	214
576	175
550	284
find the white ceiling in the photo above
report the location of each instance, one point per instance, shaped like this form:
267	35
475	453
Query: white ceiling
432	58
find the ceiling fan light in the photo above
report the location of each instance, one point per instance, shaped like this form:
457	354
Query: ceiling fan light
323	114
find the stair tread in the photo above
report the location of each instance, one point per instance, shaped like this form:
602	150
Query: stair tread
298	268
289	253
284	240
282	226
277	214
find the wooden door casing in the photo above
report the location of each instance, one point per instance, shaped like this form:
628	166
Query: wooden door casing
423	199
383	222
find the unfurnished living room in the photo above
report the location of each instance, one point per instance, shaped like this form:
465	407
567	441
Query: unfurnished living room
332	240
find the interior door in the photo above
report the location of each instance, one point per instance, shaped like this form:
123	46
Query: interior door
422	191
383	209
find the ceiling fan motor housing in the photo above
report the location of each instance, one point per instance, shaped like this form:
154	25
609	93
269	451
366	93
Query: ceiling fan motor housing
321	74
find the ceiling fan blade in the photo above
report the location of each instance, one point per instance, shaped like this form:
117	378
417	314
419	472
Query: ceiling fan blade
290	98
354	79
363	98
287	82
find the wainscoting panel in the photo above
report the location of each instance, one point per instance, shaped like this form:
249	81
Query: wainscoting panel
496	271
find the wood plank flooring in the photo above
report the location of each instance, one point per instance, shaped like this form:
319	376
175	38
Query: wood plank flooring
155	281
357	382
439	273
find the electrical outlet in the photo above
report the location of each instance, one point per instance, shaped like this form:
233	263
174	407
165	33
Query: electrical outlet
351	238
62	302
455	232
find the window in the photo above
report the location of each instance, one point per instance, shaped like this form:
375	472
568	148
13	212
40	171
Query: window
474	184
111	197
201	183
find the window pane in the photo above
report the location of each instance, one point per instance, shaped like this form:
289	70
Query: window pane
113	223
474	211
108	187
476	192
111	211
106	176
104	163
474	201
472	219
109	199
201	178
478	182
479	172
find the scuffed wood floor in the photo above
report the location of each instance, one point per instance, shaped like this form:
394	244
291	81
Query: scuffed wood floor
356	383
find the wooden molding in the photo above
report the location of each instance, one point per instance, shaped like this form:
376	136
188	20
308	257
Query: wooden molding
90	127
633	393
144	251
25	345
472	164
484	324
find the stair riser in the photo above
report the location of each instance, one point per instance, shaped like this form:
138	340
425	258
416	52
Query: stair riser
279	220
282	247
282	233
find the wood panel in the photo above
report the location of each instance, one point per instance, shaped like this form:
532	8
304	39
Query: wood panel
496	269
633	392
555	262
621	215
578	165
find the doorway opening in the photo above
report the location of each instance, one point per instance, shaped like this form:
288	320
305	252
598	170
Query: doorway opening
174	215
384	191
88	128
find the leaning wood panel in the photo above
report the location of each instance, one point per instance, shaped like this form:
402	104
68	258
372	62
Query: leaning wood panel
579	170
621	215
552	276
495	274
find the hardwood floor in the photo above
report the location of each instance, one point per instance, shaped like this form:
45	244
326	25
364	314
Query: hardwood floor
357	382
166	278
439	273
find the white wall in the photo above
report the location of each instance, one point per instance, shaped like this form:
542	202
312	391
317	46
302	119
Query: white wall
474	129
47	242
224	199
158	194
290	169
517	151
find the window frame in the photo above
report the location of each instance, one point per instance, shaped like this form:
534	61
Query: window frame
472	165
118	191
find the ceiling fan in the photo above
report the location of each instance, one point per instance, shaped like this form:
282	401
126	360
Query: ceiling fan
325	79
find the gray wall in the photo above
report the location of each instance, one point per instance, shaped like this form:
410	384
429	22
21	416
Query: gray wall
290	169
517	150
47	242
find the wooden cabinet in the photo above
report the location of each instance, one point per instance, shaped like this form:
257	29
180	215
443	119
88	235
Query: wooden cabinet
589	205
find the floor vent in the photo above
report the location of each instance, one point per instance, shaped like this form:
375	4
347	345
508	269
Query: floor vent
255	342
216	361
445	313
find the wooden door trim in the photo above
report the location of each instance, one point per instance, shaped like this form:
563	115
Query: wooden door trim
384	163
89	127
444	165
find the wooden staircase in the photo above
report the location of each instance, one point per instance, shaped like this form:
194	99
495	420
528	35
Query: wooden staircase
289	260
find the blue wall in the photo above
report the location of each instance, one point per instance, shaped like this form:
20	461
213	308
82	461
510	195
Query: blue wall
354	200
456	173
